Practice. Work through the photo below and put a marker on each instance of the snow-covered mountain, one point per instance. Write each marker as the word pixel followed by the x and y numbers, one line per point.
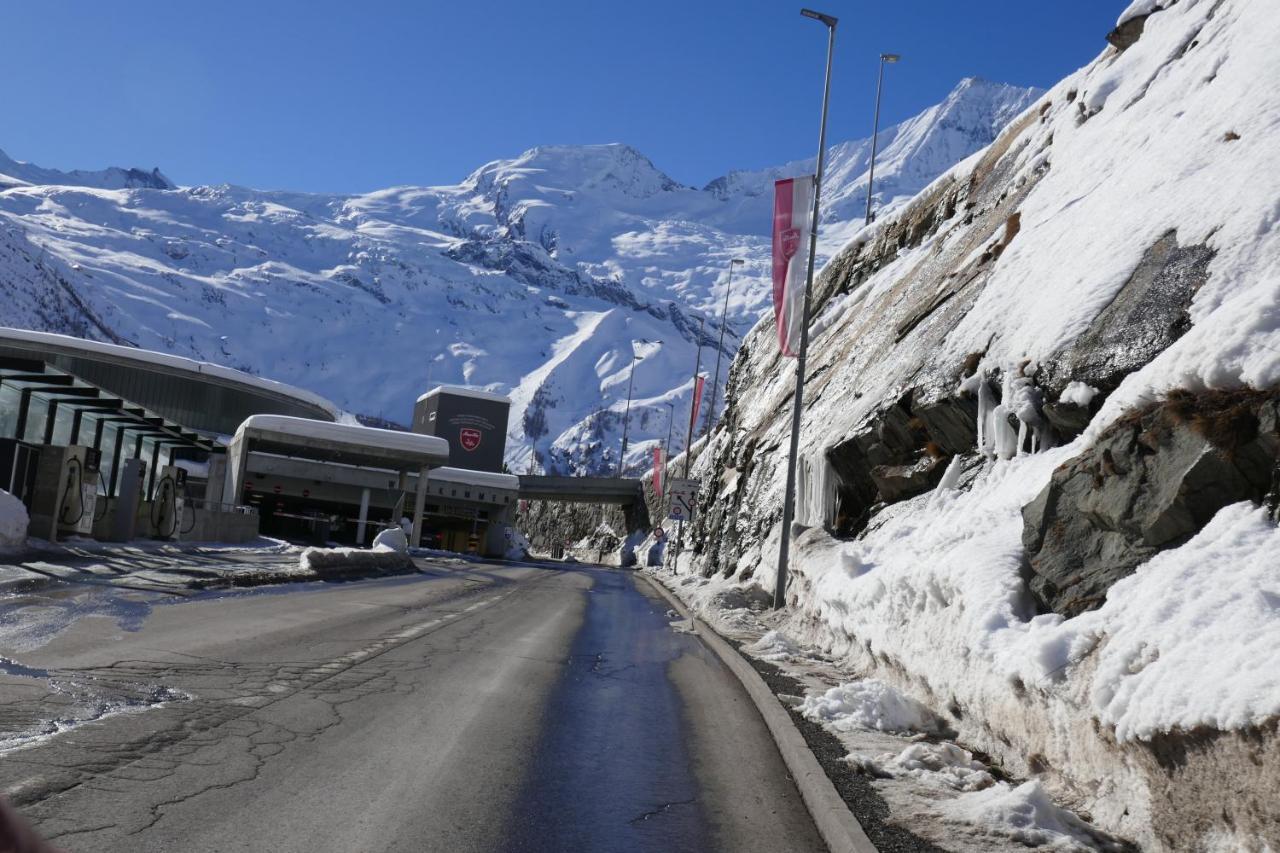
pixel 15 173
pixel 538 276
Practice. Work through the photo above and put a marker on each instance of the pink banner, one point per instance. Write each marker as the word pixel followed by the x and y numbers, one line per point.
pixel 697 404
pixel 657 470
pixel 792 206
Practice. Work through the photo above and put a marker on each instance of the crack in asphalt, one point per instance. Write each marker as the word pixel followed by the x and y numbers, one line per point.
pixel 661 810
pixel 226 698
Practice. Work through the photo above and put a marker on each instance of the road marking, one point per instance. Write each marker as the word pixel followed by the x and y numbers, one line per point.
pixel 352 658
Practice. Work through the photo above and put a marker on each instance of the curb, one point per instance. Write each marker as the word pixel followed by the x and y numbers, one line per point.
pixel 836 824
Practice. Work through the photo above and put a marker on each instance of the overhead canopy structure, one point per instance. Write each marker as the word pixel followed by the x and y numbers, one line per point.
pixel 323 445
pixel 344 444
pixel 199 395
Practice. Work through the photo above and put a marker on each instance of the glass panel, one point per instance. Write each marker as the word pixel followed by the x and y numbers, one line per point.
pixel 9 398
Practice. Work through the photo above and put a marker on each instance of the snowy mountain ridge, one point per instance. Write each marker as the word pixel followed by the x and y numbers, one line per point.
pixel 536 276
pixel 16 173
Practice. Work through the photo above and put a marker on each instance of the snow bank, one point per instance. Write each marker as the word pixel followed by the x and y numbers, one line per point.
pixel 13 521
pixel 350 562
pixel 869 704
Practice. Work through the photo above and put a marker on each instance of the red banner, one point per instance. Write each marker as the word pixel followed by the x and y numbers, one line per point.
pixel 657 470
pixel 697 404
pixel 792 210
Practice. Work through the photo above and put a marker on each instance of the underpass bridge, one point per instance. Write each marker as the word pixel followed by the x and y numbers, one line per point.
pixel 624 492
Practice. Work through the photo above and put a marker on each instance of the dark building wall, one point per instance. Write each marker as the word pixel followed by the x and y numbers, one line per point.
pixel 475 429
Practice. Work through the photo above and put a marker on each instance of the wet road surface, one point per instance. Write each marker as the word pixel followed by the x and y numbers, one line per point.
pixel 472 707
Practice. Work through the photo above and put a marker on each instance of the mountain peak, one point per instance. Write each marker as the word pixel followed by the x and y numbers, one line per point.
pixel 111 178
pixel 611 167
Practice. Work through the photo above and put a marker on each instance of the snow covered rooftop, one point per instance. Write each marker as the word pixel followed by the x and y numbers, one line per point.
pixel 43 343
pixel 353 440
pixel 487 479
pixel 465 391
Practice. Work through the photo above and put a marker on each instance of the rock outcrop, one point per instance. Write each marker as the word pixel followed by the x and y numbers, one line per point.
pixel 1149 482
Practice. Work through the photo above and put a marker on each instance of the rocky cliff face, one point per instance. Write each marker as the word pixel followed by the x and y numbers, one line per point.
pixel 1038 424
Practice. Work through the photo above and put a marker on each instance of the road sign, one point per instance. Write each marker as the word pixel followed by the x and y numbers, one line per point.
pixel 683 495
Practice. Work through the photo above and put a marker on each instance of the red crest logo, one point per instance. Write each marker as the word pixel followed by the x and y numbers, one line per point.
pixel 469 438
pixel 790 242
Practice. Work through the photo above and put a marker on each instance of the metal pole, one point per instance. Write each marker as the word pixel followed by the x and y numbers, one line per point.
pixel 875 131
pixel 697 365
pixel 788 503
pixel 724 314
pixel 666 452
pixel 626 419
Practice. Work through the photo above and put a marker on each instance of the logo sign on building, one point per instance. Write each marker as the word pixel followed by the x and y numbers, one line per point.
pixel 469 438
pixel 684 494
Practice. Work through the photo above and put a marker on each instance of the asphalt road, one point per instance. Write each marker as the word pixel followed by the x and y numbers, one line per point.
pixel 474 707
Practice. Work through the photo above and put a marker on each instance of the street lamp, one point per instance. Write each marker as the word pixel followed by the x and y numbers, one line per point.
pixel 797 400
pixel 875 129
pixel 724 314
pixel 666 448
pixel 626 419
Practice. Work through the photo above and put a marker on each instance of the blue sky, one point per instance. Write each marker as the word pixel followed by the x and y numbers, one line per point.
pixel 353 96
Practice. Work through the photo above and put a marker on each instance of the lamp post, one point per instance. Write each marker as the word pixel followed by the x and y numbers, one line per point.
pixel 797 403
pixel 724 314
pixel 875 129
pixel 626 418
pixel 666 448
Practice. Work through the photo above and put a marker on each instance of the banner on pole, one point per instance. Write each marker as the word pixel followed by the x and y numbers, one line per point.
pixel 697 402
pixel 657 470
pixel 792 210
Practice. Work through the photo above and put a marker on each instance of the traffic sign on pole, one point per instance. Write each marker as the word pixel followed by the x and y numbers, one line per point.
pixel 684 494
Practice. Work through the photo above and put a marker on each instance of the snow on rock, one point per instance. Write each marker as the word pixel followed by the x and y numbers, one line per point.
pixel 1162 630
pixel 1078 394
pixel 13 521
pixel 868 704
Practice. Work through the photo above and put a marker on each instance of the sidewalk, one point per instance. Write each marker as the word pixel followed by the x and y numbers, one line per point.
pixel 152 566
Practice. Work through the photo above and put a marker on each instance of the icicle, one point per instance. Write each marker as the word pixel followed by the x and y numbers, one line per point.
pixel 951 476
pixel 985 404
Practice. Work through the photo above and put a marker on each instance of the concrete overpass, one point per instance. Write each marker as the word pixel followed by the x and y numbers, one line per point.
pixel 619 491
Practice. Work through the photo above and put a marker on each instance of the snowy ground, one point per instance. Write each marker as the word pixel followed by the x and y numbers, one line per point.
pixel 932 785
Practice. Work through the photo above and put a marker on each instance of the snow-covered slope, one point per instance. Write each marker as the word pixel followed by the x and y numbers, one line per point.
pixel 537 276
pixel 1104 277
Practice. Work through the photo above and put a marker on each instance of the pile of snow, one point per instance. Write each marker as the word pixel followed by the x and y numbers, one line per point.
pixel 868 704
pixel 775 647
pixel 518 545
pixel 353 562
pixel 1026 814
pixel 943 764
pixel 392 539
pixel 13 521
